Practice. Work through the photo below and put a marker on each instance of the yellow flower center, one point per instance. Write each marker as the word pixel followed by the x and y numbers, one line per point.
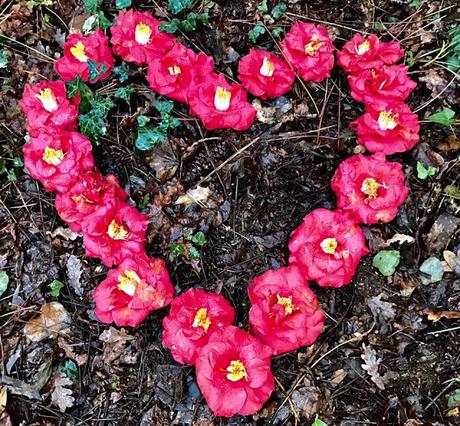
pixel 78 51
pixel 222 99
pixel 48 100
pixel 128 282
pixel 174 70
pixel 202 319
pixel 363 47
pixel 329 245
pixel 387 120
pixel 236 371
pixel 370 187
pixel 313 46
pixel 116 231
pixel 268 68
pixel 142 34
pixel 286 303
pixel 53 156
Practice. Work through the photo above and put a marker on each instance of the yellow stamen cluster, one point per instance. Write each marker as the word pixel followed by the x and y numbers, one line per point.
pixel 370 187
pixel 116 231
pixel 78 51
pixel 53 156
pixel 268 68
pixel 222 99
pixel 236 371
pixel 313 46
pixel 286 303
pixel 201 319
pixel 142 34
pixel 48 100
pixel 128 282
pixel 363 47
pixel 387 120
pixel 329 245
pixel 175 70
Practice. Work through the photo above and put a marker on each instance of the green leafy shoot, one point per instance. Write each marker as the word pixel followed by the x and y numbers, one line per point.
pixel 424 172
pixel 199 238
pixel 257 31
pixel 121 72
pixel 279 10
pixel 176 249
pixel 95 69
pixel 69 368
pixel 189 24
pixel 318 422
pixel 4 63
pixel 78 87
pixel 177 6
pixel 124 93
pixel 446 117
pixel 262 7
pixel 56 287
pixel 4 280
pixel 122 4
pixel 32 3
pixel 277 32
pixel 91 6
pixel 410 61
pixel 99 20
pixel 386 261
pixel 144 202
pixel 93 124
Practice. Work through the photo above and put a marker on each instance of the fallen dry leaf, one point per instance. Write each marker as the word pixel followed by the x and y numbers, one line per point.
pixel 371 365
pixel 114 343
pixel 74 274
pixel 452 144
pixel 400 239
pixel 62 396
pixel 337 377
pixel 3 398
pixel 53 320
pixel 451 261
pixel 79 359
pixel 437 315
pixel 65 233
pixel 199 195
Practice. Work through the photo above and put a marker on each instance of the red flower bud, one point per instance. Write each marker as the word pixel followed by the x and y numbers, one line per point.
pixel 265 75
pixel 233 372
pixel 220 105
pixel 388 129
pixel 309 50
pixel 114 232
pixel 328 247
pixel 285 313
pixel 136 37
pixel 193 317
pixel 89 193
pixel 362 53
pixel 131 291
pixel 370 188
pixel 78 50
pixel 46 106
pixel 379 85
pixel 57 159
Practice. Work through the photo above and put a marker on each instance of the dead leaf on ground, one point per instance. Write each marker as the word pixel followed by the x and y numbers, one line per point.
pixel 199 195
pixel 452 144
pixel 437 315
pixel 65 233
pixel 62 396
pixel 338 377
pixel 381 309
pixel 74 274
pixel 114 343
pixel 163 160
pixel 52 321
pixel 400 239
pixel 371 365
pixel 79 359
pixel 3 398
pixel 451 261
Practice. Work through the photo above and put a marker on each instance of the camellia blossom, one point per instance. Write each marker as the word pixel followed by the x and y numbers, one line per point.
pixel 377 86
pixel 328 246
pixel 309 50
pixel 233 372
pixel 175 74
pixel 193 317
pixel 114 232
pixel 131 291
pixel 136 37
pixel 361 53
pixel 285 313
pixel 264 74
pixel 388 129
pixel 90 192
pixel 220 105
pixel 57 159
pixel 79 50
pixel 46 106
pixel 370 188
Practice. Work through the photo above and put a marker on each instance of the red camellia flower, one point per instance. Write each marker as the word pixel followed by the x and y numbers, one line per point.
pixel 176 73
pixel 90 192
pixel 220 105
pixel 370 188
pixel 233 372
pixel 57 159
pixel 362 53
pixel 114 232
pixel 264 74
pixel 377 85
pixel 285 313
pixel 46 106
pixel 328 246
pixel 136 37
pixel 79 50
pixel 309 50
pixel 193 317
pixel 131 291
pixel 388 129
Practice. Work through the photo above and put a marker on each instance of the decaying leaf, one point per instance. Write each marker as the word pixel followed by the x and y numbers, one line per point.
pixel 65 233
pixel 74 274
pixel 371 365
pixel 3 398
pixel 199 195
pixel 400 239
pixel 380 308
pixel 53 320
pixel 452 144
pixel 437 315
pixel 79 359
pixel 451 261
pixel 114 343
pixel 62 396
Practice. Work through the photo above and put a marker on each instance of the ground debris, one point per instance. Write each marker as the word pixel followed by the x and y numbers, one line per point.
pixel 371 365
pixel 74 274
pixel 61 396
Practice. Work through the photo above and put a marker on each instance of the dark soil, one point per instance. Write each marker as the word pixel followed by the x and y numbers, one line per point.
pixel 263 182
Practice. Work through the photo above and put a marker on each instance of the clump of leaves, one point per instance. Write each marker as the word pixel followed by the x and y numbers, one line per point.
pixel 10 166
pixel 97 18
pixel 187 25
pixel 56 287
pixel 386 261
pixel 93 124
pixel 186 246
pixel 70 369
pixel 177 6
pixel 149 136
pixel 424 172
pixel 121 72
pixel 78 87
pixel 267 18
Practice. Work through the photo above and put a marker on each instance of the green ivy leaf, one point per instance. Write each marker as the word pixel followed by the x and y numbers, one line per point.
pixel 203 18
pixel 124 93
pixel 189 24
pixel 95 69
pixel 446 117
pixel 177 6
pixel 90 24
pixel 122 72
pixel 122 4
pixel 176 249
pixel 142 120
pixel 11 176
pixel 279 10
pixel 77 86
pixel 164 107
pixel 69 368
pixel 454 399
pixel 102 21
pixel 318 422
pixel 101 106
pixel 386 261
pixel 432 271
pixel 149 137
pixel 410 61
pixel 145 201
pixel 55 287
pixel 92 126
pixel 3 60
pixel 193 252
pixel 170 27
pixel 4 280
pixel 423 172
pixel 258 30
pixel 262 7
pixel 277 32
pixel 91 6
pixel 199 238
